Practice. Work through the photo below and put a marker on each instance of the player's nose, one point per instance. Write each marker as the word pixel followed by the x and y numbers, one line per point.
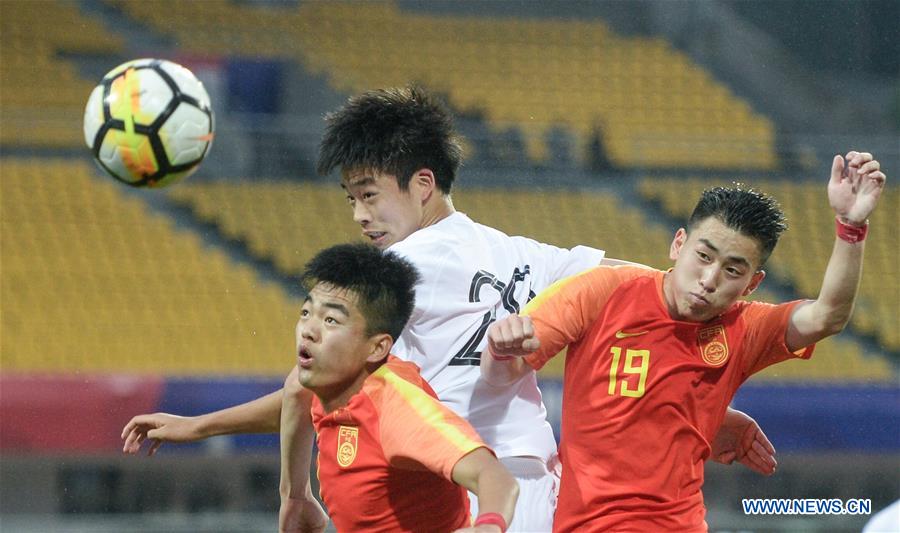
pixel 708 278
pixel 361 214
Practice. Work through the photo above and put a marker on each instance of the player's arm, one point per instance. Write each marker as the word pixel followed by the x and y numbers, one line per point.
pixel 853 193
pixel 483 475
pixel 262 415
pixel 300 511
pixel 557 317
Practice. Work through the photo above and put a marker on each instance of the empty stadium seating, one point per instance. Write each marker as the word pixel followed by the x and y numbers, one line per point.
pixel 651 104
pixel 42 96
pixel 93 281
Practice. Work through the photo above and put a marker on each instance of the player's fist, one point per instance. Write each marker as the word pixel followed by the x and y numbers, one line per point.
pixel 855 185
pixel 512 337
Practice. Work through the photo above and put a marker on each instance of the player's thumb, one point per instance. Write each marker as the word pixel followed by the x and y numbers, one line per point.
pixel 726 458
pixel 531 345
pixel 155 434
pixel 837 168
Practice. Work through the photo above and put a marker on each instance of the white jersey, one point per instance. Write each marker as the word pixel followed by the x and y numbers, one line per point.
pixel 471 276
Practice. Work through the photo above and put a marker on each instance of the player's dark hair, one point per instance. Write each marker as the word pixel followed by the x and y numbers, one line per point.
pixel 748 211
pixel 383 281
pixel 395 131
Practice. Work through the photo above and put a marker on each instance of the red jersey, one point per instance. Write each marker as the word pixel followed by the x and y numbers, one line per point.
pixel 644 395
pixel 386 458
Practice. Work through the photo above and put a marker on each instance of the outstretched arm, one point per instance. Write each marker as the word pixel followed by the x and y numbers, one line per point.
pixel 261 415
pixel 483 475
pixel 300 511
pixel 853 191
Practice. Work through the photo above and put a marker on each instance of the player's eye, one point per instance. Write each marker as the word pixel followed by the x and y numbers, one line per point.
pixel 703 256
pixel 368 195
pixel 331 320
pixel 304 313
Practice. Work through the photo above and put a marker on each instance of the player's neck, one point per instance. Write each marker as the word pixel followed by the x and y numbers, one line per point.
pixel 439 207
pixel 340 395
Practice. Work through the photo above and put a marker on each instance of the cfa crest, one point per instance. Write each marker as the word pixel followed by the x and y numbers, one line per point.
pixel 346 449
pixel 713 345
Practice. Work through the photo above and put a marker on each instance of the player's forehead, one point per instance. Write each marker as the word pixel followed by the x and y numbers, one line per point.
pixel 356 178
pixel 729 243
pixel 324 294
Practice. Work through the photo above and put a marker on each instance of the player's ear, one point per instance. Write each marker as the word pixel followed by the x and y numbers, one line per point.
pixel 379 347
pixel 754 282
pixel 677 243
pixel 423 184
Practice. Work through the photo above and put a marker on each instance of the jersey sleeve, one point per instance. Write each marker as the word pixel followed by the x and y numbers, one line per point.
pixel 417 431
pixel 764 338
pixel 564 311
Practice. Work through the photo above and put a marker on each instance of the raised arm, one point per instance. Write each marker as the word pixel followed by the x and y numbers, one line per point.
pixel 300 511
pixel 853 191
pixel 483 475
pixel 262 415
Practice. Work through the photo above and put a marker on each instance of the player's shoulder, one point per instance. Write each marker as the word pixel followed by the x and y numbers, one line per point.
pixel 436 240
pixel 397 381
pixel 619 274
pixel 451 244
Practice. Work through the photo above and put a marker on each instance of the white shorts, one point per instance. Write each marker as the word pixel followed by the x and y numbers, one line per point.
pixel 538 490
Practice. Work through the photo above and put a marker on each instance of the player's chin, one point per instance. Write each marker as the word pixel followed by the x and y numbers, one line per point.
pixel 306 377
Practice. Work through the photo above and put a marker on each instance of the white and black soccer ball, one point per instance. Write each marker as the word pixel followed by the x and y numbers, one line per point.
pixel 149 123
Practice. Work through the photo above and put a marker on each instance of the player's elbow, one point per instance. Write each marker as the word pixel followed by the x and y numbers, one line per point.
pixel 827 320
pixel 834 321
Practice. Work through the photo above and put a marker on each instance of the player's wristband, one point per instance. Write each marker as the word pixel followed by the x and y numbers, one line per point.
pixel 849 233
pixel 496 357
pixel 495 519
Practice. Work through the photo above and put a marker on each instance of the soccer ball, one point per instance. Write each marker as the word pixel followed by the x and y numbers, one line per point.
pixel 149 123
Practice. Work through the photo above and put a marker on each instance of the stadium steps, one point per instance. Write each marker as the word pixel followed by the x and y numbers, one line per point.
pixel 93 281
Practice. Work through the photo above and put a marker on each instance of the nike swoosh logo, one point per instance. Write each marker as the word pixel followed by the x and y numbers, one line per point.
pixel 623 335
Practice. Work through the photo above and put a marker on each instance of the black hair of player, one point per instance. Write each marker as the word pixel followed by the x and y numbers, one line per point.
pixel 748 211
pixel 383 282
pixel 396 131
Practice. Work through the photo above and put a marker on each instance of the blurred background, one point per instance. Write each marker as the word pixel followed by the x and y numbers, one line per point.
pixel 584 123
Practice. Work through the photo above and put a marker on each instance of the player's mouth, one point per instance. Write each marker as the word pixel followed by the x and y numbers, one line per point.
pixel 377 237
pixel 304 358
pixel 697 300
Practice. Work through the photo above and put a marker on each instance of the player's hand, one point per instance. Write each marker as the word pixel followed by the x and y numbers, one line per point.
pixel 740 438
pixel 158 428
pixel 512 337
pixel 301 515
pixel 855 185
